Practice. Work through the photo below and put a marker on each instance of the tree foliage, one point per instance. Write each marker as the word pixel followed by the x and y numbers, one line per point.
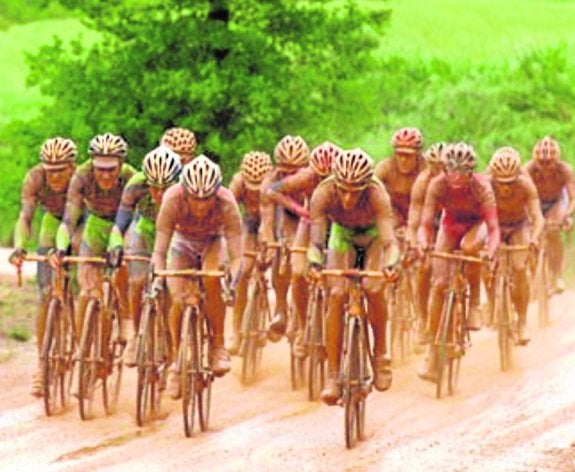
pixel 240 73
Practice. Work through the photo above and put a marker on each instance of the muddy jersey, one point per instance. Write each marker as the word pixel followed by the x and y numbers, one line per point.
pixel 36 191
pixel 176 219
pixel 417 201
pixel 372 208
pixel 246 197
pixel 398 185
pixel 136 196
pixel 550 183
pixel 85 192
pixel 270 223
pixel 519 205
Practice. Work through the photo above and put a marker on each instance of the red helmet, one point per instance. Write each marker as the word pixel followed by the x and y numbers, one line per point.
pixel 322 157
pixel 407 139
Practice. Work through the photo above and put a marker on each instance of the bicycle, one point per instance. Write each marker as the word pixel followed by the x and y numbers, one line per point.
pixel 503 309
pixel 59 341
pixel 356 363
pixel 452 337
pixel 101 347
pixel 256 316
pixel 315 339
pixel 195 364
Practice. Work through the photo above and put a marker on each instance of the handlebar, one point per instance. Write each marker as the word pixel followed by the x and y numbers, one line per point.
pixel 456 257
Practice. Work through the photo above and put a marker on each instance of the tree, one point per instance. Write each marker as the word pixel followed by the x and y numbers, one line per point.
pixel 240 73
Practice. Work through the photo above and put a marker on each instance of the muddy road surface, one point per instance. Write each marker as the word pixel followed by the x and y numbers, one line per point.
pixel 523 420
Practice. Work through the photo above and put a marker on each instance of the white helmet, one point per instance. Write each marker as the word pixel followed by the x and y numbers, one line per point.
pixel 505 164
pixel 292 151
pixel 108 145
pixel 58 151
pixel 436 153
pixel 162 167
pixel 353 168
pixel 201 177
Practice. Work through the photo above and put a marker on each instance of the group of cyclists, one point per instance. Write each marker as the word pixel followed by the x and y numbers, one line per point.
pixel 337 203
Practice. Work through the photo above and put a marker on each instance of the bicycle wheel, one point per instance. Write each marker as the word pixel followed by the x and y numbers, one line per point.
pixel 317 356
pixel 542 289
pixel 67 363
pixel 189 361
pixel 146 386
pixel 443 341
pixel 297 364
pixel 205 391
pixel 89 360
pixel 350 385
pixel 51 352
pixel 393 315
pixel 113 351
pixel 505 327
pixel 250 336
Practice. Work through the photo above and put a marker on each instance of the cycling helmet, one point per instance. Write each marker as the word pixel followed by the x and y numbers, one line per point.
pixel 505 164
pixel 461 156
pixel 162 167
pixel 322 157
pixel 353 168
pixel 255 165
pixel 180 140
pixel 547 149
pixel 58 151
pixel 108 145
pixel 201 177
pixel 292 151
pixel 407 139
pixel 436 153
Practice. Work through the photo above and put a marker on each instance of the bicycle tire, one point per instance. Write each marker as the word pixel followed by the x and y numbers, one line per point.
pixel 393 315
pixel 113 354
pixel 316 369
pixel 189 370
pixel 205 392
pixel 70 343
pixel 145 367
pixel 443 340
pixel 250 335
pixel 350 384
pixel 297 364
pixel 51 349
pixel 89 360
pixel 542 289
pixel 505 331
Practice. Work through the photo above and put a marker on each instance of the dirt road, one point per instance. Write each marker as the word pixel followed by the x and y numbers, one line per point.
pixel 519 421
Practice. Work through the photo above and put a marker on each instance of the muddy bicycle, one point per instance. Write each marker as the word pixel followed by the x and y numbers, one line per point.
pixel 452 338
pixel 194 359
pixel 59 341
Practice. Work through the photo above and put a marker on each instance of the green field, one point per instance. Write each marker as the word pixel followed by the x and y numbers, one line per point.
pixel 17 101
pixel 472 31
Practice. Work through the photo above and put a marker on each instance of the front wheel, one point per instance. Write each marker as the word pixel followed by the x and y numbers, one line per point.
pixel 205 392
pixel 89 360
pixel 444 343
pixel 113 352
pixel 189 360
pixel 147 387
pixel 54 376
pixel 317 355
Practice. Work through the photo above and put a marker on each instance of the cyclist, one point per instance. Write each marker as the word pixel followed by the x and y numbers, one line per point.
pixel 359 210
pixel 399 172
pixel 139 207
pixel 435 158
pixel 287 193
pixel 469 219
pixel 45 185
pixel 520 222
pixel 182 141
pixel 554 179
pixel 194 216
pixel 292 154
pixel 97 185
pixel 245 186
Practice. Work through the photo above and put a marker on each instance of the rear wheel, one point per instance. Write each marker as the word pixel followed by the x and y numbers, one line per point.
pixel 89 360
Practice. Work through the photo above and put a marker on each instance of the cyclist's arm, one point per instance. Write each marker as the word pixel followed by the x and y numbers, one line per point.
pixel 534 210
pixel 570 186
pixel 430 205
pixel 236 186
pixel 165 225
pixel 232 231
pixel 489 215
pixel 415 209
pixel 281 192
pixel 267 212
pixel 135 190
pixel 29 201
pixel 381 205
pixel 319 223
pixel 73 212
